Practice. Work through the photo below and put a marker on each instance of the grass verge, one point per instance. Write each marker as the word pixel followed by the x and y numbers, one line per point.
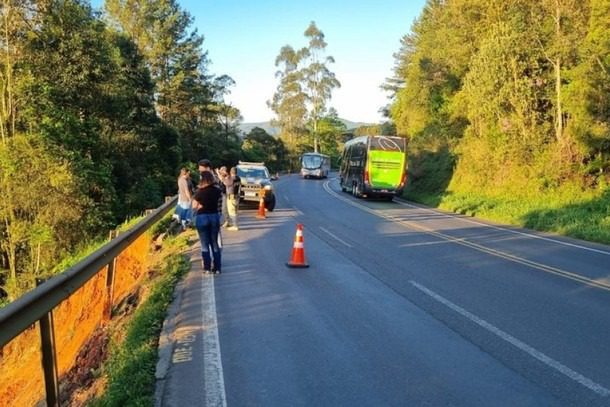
pixel 578 214
pixel 130 369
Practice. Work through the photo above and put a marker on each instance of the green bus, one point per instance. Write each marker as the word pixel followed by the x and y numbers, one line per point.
pixel 374 166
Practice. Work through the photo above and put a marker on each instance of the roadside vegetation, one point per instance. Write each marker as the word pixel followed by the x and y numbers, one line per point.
pixel 506 106
pixel 129 372
pixel 98 114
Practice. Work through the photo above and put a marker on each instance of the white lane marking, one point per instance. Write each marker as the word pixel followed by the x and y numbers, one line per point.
pixel 212 363
pixel 475 246
pixel 335 237
pixel 424 243
pixel 548 239
pixel 552 363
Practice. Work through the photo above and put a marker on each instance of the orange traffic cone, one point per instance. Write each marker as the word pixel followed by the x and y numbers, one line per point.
pixel 261 209
pixel 297 259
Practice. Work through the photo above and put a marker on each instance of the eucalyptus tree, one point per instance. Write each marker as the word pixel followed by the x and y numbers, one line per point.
pixel 289 99
pixel 318 78
pixel 305 86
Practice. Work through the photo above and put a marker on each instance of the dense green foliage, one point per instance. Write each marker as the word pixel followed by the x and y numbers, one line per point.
pixel 96 118
pixel 131 367
pixel 507 102
pixel 260 146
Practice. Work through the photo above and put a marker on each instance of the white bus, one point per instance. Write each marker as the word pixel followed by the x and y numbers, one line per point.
pixel 315 165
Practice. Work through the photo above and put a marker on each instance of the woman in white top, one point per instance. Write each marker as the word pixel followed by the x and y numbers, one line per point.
pixel 185 196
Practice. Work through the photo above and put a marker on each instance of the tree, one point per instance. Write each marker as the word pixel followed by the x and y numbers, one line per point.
pixel 587 93
pixel 260 146
pixel 305 86
pixel 289 100
pixel 79 131
pixel 319 80
pixel 36 227
pixel 187 97
pixel 329 133
pixel 562 27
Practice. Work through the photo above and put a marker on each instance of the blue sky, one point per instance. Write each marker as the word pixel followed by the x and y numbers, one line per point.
pixel 244 37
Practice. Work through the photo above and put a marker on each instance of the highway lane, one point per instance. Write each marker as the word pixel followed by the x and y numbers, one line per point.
pixel 403 306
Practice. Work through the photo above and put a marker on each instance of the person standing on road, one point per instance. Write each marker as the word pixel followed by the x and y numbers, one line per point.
pixel 205 165
pixel 222 177
pixel 183 209
pixel 232 183
pixel 207 222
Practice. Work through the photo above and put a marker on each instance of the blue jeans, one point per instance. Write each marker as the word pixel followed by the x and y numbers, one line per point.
pixel 208 228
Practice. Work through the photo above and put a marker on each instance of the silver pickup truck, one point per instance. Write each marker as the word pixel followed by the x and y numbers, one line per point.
pixel 255 179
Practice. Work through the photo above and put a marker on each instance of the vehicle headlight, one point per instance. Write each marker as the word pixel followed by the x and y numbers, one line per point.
pixel 268 187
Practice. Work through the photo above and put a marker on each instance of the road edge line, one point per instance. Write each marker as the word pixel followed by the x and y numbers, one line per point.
pixel 212 362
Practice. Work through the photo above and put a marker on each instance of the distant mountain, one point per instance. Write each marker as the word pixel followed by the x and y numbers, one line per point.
pixel 352 125
pixel 246 127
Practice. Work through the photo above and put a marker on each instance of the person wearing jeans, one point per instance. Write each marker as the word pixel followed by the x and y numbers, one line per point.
pixel 207 222
pixel 183 209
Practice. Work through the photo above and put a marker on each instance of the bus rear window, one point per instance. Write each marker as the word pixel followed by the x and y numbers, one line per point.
pixel 388 144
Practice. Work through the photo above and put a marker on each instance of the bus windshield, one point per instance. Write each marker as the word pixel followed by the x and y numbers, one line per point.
pixel 387 144
pixel 311 162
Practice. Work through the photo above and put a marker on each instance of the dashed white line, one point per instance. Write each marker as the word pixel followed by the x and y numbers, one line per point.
pixel 550 362
pixel 335 237
pixel 464 242
pixel 212 362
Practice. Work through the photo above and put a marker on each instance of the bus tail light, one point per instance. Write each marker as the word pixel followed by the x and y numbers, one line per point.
pixel 366 176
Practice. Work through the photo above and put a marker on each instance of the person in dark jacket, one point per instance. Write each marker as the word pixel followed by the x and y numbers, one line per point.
pixel 207 222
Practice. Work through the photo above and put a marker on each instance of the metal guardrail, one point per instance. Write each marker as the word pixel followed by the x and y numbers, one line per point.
pixel 38 304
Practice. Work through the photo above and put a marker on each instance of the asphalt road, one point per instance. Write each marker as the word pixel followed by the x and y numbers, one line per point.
pixel 401 306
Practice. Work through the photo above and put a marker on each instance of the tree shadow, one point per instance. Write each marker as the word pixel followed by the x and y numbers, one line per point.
pixel 587 220
pixel 429 174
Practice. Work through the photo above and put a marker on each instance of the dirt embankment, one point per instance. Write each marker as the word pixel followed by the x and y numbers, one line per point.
pixel 80 334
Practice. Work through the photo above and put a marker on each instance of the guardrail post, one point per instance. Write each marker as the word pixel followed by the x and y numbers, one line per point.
pixel 49 357
pixel 110 282
pixel 168 198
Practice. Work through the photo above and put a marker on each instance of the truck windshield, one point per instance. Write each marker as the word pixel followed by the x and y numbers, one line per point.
pixel 252 172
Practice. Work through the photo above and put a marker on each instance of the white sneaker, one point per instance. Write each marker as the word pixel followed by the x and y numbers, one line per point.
pixel 232 228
